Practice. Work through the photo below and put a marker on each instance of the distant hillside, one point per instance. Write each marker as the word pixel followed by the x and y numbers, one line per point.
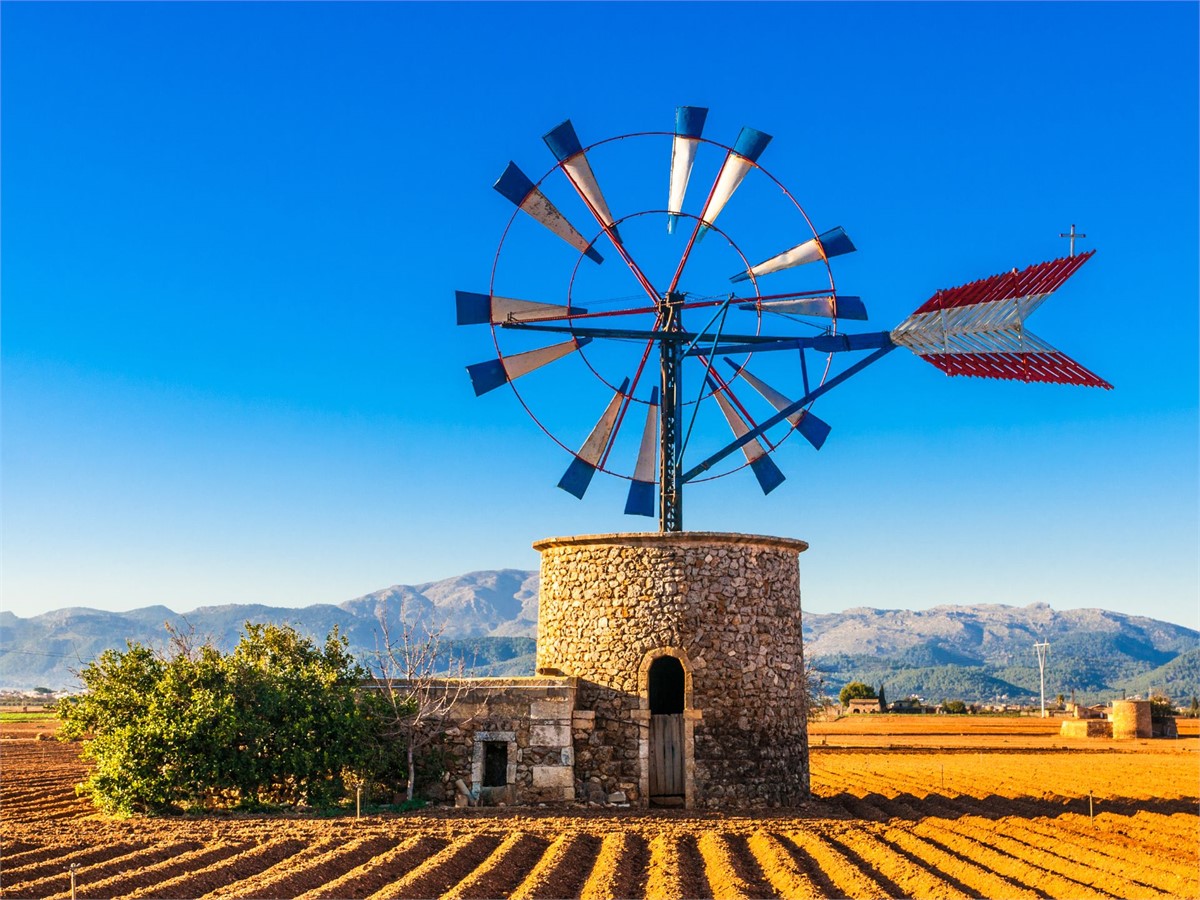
pixel 971 652
pixel 985 652
pixel 490 617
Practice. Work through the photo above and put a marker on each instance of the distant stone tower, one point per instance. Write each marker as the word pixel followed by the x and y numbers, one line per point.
pixel 687 649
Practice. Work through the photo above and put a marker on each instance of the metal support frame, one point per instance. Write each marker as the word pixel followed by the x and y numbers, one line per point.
pixel 670 488
pixel 675 345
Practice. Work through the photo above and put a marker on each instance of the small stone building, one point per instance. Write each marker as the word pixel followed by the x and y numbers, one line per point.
pixel 860 705
pixel 669 672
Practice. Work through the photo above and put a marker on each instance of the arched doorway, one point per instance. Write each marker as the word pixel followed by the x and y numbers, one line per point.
pixel 666 688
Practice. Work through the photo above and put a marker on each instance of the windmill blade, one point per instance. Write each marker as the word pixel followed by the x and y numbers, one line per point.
pixel 813 429
pixel 832 243
pixel 482 309
pixel 689 124
pixel 830 306
pixel 489 375
pixel 564 144
pixel 640 501
pixel 764 468
pixel 740 160
pixel 579 474
pixel 518 188
pixel 979 329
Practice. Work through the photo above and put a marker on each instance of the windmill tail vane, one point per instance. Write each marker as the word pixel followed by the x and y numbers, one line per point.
pixel 978 329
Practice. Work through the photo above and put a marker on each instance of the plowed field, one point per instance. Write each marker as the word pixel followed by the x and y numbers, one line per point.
pixel 937 808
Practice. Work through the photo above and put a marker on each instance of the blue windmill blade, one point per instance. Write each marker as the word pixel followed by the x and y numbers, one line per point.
pixel 517 187
pixel 489 375
pixel 739 161
pixel 579 474
pixel 689 125
pixel 764 468
pixel 814 430
pixel 482 309
pixel 640 501
pixel 565 145
pixel 832 243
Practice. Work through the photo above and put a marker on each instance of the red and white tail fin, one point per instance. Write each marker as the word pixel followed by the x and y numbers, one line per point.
pixel 978 329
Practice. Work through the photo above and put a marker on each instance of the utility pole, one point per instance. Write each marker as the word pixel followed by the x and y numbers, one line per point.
pixel 1042 649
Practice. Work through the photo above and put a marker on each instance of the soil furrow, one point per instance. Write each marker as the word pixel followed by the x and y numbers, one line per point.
pixel 894 870
pixel 849 880
pixel 1047 883
pixel 500 873
pixel 227 871
pixel 620 869
pixel 1138 859
pixel 9 864
pixel 725 879
pixel 999 835
pixel 1124 878
pixel 443 870
pixel 563 869
pixel 315 866
pixel 85 879
pixel 84 859
pixel 786 878
pixel 664 878
pixel 126 884
pixel 382 870
pixel 952 864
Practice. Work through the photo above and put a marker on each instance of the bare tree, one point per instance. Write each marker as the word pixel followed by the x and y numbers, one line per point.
pixel 816 701
pixel 422 682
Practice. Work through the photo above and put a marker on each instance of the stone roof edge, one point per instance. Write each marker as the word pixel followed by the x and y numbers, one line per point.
pixel 681 538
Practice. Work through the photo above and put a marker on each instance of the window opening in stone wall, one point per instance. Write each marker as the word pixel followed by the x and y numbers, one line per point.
pixel 666 686
pixel 495 763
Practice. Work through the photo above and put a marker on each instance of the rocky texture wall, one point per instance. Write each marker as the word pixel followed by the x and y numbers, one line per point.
pixel 533 716
pixel 1086 728
pixel 1130 719
pixel 728 606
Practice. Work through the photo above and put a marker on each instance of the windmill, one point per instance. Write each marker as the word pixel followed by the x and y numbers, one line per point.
pixel 711 376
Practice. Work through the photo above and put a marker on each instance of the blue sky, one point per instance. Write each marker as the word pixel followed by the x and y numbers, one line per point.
pixel 232 234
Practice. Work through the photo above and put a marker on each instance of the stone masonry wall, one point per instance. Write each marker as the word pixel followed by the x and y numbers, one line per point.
pixel 533 716
pixel 728 606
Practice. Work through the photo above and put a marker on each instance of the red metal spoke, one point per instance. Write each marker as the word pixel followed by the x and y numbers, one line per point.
pixel 687 251
pixel 620 248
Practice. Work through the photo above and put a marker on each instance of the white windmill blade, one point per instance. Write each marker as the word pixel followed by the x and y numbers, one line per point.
pixel 579 474
pixel 764 468
pixel 489 375
pixel 640 501
pixel 834 242
pixel 740 160
pixel 517 187
pixel 689 124
pixel 814 430
pixel 565 145
pixel 482 309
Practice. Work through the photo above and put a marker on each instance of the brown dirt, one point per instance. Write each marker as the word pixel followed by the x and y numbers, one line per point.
pixel 924 807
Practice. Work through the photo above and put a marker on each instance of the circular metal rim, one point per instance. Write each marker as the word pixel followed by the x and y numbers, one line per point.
pixel 753 279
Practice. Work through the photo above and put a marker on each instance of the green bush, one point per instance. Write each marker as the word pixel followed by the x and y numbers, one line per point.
pixel 277 721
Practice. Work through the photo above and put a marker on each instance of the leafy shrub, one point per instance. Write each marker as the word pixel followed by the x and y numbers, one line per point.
pixel 277 721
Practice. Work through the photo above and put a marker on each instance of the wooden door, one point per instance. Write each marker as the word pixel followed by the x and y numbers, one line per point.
pixel 666 756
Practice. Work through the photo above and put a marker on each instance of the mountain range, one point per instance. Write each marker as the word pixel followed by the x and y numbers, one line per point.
pixel 980 652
